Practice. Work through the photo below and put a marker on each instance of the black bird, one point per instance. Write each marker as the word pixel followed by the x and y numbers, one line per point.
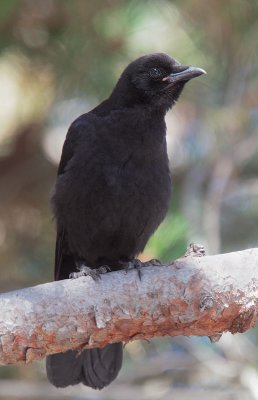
pixel 112 192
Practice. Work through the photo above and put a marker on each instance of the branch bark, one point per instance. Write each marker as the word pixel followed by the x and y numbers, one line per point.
pixel 201 296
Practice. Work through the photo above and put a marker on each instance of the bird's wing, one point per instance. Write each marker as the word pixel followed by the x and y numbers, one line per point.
pixel 69 147
pixel 64 262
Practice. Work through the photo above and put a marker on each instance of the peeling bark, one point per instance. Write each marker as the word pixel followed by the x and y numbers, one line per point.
pixel 201 296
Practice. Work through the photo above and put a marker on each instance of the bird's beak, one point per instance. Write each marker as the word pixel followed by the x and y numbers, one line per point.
pixel 183 73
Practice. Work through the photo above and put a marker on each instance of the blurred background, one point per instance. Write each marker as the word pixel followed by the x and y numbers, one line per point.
pixel 58 59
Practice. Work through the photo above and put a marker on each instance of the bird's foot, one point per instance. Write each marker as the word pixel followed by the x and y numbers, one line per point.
pixel 195 250
pixel 154 262
pixel 138 265
pixel 94 273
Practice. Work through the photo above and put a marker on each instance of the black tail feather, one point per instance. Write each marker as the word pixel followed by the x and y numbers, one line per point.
pixel 96 368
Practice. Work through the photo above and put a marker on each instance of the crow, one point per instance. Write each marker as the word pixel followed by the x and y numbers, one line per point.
pixel 112 191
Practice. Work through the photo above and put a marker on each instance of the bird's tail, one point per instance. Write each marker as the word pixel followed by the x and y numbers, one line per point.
pixel 96 368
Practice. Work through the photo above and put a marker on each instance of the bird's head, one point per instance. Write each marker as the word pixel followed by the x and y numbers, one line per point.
pixel 157 79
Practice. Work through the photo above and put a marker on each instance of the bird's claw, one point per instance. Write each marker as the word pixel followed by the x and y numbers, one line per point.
pixel 154 262
pixel 195 250
pixel 95 273
pixel 134 264
pixel 138 265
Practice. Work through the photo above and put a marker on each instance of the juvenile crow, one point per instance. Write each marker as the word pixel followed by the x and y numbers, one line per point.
pixel 112 192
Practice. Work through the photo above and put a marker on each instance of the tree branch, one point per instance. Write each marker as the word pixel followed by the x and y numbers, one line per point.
pixel 201 296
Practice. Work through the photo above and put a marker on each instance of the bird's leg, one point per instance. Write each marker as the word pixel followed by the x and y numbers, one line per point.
pixel 84 270
pixel 135 263
pixel 195 250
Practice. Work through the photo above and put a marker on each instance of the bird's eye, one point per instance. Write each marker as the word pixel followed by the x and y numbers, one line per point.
pixel 155 73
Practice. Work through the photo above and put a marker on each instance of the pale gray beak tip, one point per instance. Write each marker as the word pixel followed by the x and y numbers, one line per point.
pixel 203 71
